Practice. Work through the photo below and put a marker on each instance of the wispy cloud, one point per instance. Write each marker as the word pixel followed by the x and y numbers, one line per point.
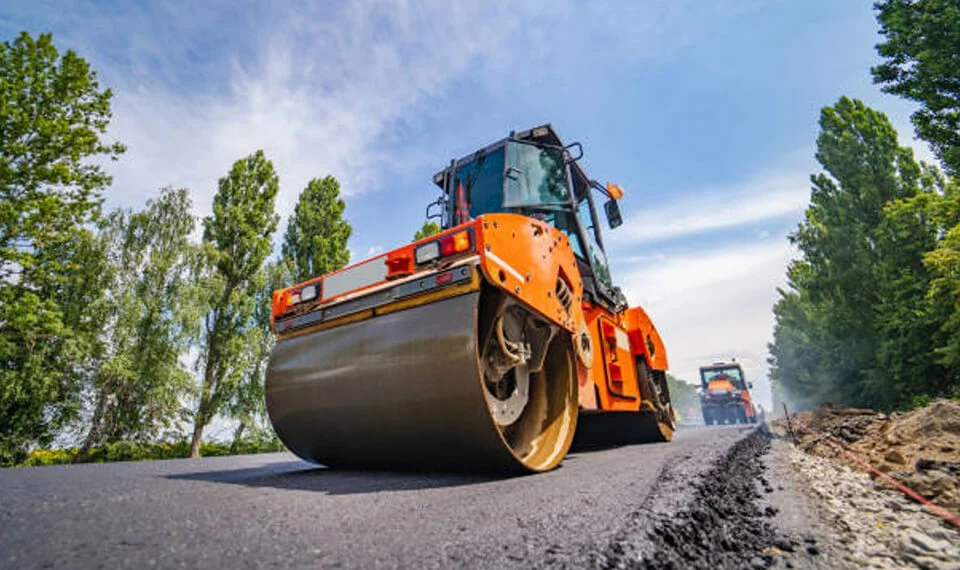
pixel 323 88
pixel 714 304
pixel 713 300
pixel 319 93
pixel 763 197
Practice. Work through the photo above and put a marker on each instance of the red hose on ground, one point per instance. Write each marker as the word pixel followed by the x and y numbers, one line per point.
pixel 929 505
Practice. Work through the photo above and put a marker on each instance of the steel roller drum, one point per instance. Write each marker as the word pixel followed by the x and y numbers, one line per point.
pixel 404 391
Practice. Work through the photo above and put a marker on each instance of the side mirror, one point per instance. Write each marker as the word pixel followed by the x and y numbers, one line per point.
pixel 568 152
pixel 612 209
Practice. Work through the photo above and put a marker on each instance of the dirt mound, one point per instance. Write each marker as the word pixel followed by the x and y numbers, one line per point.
pixel 921 448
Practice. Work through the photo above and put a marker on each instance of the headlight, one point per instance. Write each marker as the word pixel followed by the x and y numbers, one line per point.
pixel 427 252
pixel 308 293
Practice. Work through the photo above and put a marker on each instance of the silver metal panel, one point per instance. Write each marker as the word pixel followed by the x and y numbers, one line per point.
pixel 377 298
pixel 366 273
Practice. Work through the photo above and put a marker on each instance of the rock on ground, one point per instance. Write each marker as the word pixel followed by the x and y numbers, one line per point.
pixel 879 527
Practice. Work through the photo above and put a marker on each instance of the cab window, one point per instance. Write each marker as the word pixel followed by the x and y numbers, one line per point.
pixel 481 180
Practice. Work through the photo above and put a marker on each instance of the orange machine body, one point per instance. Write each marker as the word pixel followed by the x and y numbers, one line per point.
pixel 725 395
pixel 528 259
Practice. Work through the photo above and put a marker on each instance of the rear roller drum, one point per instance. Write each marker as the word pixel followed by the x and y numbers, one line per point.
pixel 474 382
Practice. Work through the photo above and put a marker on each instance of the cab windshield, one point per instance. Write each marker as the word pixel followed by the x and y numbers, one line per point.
pixel 529 179
pixel 535 176
pixel 514 177
pixel 731 374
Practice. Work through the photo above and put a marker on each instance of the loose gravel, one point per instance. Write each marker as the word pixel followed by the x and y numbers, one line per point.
pixel 727 524
pixel 878 527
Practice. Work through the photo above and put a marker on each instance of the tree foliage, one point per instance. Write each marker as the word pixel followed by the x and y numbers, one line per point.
pixel 140 379
pixel 856 322
pixel 53 116
pixel 684 397
pixel 920 63
pixel 872 315
pixel 428 229
pixel 943 262
pixel 316 239
pixel 237 238
pixel 248 404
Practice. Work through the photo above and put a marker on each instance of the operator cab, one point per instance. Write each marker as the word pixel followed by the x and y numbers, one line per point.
pixel 532 173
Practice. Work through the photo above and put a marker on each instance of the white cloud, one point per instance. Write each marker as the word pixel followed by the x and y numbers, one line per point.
pixel 374 250
pixel 321 94
pixel 714 304
pixel 326 89
pixel 766 196
pixel 714 301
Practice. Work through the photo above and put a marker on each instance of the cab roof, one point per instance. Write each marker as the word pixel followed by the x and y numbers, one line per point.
pixel 544 134
pixel 717 365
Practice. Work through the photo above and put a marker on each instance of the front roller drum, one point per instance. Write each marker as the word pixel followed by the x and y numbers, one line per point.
pixel 406 390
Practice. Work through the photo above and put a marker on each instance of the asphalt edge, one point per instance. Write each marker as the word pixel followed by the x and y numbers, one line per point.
pixel 723 524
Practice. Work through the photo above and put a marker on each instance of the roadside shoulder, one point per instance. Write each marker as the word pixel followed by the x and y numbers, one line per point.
pixel 873 527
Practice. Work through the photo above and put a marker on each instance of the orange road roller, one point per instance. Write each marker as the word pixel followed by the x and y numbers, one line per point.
pixel 489 347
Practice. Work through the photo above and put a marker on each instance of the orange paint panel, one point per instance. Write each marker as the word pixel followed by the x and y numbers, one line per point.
pixel 621 389
pixel 525 257
pixel 615 386
pixel 587 394
pixel 724 385
pixel 644 338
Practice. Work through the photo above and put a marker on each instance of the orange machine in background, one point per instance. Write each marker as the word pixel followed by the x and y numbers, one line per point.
pixel 725 395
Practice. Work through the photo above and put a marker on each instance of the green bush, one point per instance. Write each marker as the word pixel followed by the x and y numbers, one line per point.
pixel 919 401
pixel 50 457
pixel 133 451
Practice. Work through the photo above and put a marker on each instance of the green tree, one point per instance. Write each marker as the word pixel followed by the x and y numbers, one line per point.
pixel 920 63
pixel 910 319
pixel 139 383
pixel 53 116
pixel 237 238
pixel 315 242
pixel 248 405
pixel 943 296
pixel 428 229
pixel 945 261
pixel 684 397
pixel 827 332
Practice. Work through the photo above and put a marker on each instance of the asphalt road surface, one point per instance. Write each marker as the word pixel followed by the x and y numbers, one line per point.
pixel 275 511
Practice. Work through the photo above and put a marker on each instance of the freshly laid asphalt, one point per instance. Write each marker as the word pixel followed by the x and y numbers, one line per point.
pixel 275 511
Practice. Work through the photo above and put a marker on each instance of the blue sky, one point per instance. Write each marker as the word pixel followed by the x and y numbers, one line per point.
pixel 705 112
